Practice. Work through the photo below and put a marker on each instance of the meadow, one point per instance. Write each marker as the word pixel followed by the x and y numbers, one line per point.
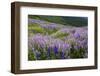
pixel 57 37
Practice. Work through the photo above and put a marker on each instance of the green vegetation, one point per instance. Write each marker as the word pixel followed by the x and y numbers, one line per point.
pixel 60 34
pixel 36 28
pixel 76 53
pixel 31 55
pixel 74 21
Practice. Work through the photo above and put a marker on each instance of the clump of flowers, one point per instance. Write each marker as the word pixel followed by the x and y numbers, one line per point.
pixel 64 43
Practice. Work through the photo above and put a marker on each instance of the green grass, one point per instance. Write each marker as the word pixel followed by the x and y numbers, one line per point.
pixel 50 31
pixel 36 28
pixel 59 34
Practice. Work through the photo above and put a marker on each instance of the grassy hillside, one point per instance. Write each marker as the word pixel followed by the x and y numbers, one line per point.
pixel 49 40
pixel 74 21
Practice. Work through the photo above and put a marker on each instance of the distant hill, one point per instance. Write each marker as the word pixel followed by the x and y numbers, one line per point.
pixel 65 20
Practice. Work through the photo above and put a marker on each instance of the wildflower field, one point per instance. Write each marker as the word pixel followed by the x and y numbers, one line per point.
pixel 57 37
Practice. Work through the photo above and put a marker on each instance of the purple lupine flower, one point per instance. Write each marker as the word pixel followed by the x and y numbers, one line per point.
pixel 55 50
pixel 40 40
pixel 52 26
pixel 38 54
pixel 83 43
pixel 65 46
pixel 77 47
pixel 48 50
pixel 72 31
pixel 76 35
pixel 61 55
pixel 36 21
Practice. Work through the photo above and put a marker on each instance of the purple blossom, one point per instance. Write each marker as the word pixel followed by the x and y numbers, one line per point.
pixel 48 50
pixel 55 50
pixel 66 46
pixel 77 47
pixel 38 54
pixel 52 26
pixel 40 40
pixel 83 43
pixel 61 55
pixel 77 35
